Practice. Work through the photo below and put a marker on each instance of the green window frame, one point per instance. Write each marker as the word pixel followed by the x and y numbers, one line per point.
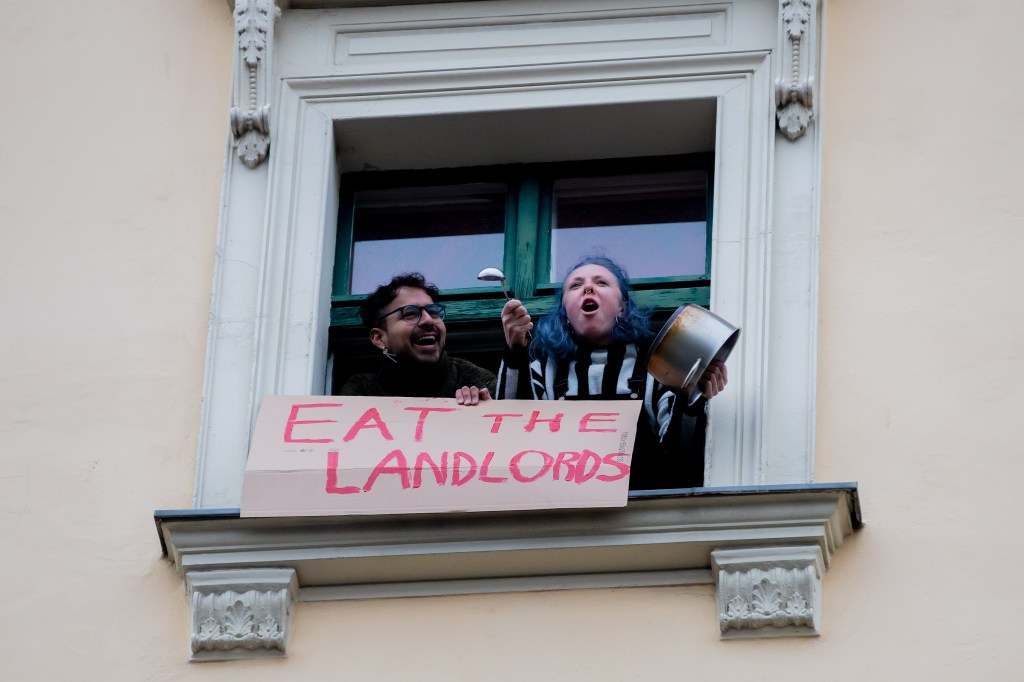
pixel 527 238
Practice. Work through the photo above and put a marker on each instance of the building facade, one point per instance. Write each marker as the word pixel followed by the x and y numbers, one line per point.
pixel 855 192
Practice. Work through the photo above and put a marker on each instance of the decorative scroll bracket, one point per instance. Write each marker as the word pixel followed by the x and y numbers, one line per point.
pixel 768 591
pixel 795 71
pixel 240 613
pixel 250 110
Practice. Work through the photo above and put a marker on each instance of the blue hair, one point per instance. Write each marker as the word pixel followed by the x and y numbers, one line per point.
pixel 552 335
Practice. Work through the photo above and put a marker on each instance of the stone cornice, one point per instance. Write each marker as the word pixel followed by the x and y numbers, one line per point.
pixel 658 539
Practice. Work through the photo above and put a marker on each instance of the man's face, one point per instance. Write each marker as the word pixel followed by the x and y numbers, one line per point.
pixel 419 341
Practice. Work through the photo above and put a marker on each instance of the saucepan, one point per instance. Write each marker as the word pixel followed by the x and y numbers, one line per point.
pixel 690 341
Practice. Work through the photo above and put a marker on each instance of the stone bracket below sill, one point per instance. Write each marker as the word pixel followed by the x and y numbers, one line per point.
pixel 764 547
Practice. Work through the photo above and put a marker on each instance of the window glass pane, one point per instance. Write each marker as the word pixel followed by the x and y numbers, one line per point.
pixel 447 232
pixel 654 224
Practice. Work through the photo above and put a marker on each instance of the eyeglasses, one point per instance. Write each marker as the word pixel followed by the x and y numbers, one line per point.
pixel 413 313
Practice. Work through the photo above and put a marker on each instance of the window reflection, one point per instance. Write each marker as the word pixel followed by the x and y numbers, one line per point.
pixel 652 223
pixel 444 231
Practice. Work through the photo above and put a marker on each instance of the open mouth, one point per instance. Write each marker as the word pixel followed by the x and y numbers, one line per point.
pixel 589 306
pixel 425 340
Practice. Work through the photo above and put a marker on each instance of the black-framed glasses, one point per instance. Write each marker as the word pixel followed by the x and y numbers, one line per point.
pixel 413 313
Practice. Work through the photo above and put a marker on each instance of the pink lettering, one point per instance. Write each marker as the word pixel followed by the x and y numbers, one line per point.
pixel 457 479
pixel 582 475
pixel 517 472
pixel 554 423
pixel 370 420
pixel 484 477
pixel 567 459
pixel 597 417
pixel 424 411
pixel 621 466
pixel 440 472
pixel 292 421
pixel 497 420
pixel 332 477
pixel 401 467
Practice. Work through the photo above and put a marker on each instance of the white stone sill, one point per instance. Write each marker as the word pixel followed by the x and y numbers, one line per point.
pixel 659 538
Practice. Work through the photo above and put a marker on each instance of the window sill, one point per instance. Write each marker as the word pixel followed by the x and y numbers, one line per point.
pixel 736 538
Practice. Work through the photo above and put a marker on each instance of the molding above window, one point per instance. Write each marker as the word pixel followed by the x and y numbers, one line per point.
pixel 765 547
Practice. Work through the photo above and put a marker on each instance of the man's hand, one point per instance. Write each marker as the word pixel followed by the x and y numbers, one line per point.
pixel 517 324
pixel 471 395
pixel 714 379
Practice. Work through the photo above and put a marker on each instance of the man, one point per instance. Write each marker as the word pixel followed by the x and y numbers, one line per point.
pixel 407 324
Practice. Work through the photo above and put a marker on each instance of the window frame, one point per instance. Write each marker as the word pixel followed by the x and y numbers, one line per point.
pixel 270 312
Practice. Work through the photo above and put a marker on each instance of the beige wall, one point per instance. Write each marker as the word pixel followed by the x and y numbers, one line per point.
pixel 113 123
pixel 113 128
pixel 921 331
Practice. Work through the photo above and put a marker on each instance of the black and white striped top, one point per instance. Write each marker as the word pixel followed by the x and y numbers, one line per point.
pixel 670 436
pixel 594 374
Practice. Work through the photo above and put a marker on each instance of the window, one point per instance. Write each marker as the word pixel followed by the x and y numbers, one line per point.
pixel 429 227
pixel 389 88
pixel 426 85
pixel 651 214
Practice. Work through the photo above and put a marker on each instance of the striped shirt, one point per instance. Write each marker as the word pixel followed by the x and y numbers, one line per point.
pixel 669 447
pixel 594 374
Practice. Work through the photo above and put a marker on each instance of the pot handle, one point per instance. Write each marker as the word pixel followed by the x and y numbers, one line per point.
pixel 693 370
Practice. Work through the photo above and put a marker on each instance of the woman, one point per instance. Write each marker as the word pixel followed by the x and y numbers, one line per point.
pixel 593 347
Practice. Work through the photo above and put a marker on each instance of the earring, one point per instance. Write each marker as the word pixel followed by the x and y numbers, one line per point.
pixel 390 356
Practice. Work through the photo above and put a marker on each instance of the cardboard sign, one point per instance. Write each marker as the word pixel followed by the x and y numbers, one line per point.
pixel 326 455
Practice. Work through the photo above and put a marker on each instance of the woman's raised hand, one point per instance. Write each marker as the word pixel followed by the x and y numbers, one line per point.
pixel 517 324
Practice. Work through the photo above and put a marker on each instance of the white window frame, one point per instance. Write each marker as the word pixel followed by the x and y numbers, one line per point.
pixel 271 294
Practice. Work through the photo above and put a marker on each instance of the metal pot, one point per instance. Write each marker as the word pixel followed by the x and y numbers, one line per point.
pixel 690 341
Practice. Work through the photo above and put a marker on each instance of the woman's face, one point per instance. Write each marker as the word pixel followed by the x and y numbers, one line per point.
pixel 592 302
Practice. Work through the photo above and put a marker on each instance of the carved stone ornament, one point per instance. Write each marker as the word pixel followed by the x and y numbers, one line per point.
pixel 794 83
pixel 768 592
pixel 250 110
pixel 244 613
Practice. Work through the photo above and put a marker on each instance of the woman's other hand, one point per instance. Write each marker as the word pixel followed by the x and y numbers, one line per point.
pixel 714 379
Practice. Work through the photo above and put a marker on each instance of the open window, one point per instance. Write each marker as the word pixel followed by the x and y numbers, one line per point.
pixel 653 215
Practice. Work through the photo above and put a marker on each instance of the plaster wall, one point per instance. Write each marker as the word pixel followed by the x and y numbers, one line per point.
pixel 114 122
pixel 921 328
pixel 112 137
